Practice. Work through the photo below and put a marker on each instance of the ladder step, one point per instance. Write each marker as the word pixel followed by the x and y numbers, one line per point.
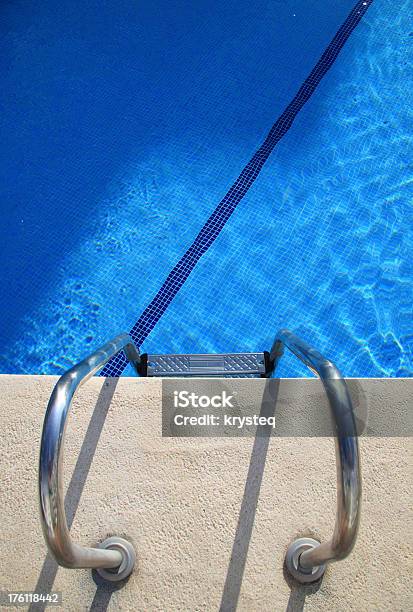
pixel 254 365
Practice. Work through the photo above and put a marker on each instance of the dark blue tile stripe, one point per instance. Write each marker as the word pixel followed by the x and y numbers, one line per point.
pixel 176 278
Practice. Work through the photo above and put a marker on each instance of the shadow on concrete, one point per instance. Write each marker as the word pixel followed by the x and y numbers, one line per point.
pixel 74 493
pixel 298 595
pixel 299 592
pixel 233 581
pixel 104 592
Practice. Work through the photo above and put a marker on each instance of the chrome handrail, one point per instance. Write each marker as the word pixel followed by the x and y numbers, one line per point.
pixel 306 558
pixel 115 557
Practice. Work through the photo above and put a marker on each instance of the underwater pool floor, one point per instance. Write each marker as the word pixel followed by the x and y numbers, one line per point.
pixel 153 195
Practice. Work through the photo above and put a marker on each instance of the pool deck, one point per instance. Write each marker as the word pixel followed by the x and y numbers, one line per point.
pixel 211 518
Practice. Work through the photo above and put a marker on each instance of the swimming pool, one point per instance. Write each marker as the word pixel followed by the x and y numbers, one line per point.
pixel 125 125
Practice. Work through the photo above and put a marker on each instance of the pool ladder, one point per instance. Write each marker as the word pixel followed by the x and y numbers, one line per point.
pixel 114 558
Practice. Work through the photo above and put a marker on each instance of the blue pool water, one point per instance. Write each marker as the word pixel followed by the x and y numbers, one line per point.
pixel 123 127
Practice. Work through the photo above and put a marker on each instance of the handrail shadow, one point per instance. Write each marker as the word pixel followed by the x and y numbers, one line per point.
pixel 299 592
pixel 235 572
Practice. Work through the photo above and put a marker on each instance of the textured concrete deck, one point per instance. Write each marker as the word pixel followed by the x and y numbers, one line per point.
pixel 210 518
